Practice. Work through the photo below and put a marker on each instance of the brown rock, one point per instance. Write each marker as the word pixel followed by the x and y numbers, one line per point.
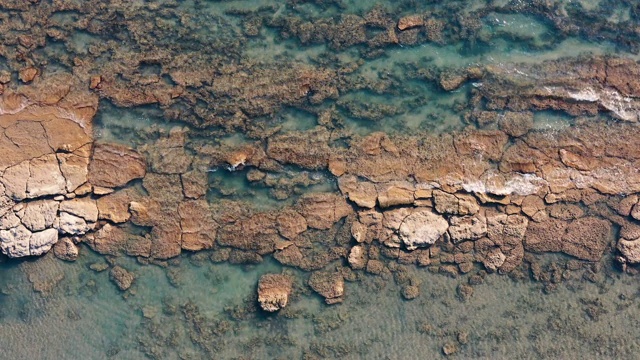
pixel 467 228
pixel 115 165
pixel 626 204
pixel 545 236
pixel 195 184
pixel 28 74
pixel 410 292
pixel 532 204
pixel 5 77
pixel 138 246
pixel 274 291
pixel 635 212
pixel 516 123
pixel 45 177
pixel 109 240
pixel 587 238
pixel 411 21
pixel 396 193
pixel 375 267
pixel 115 207
pixel 255 175
pixel 121 277
pixel 565 211
pixel 363 193
pixel 95 82
pixel 197 225
pixel 323 210
pixel 630 249
pixel 422 228
pixel 291 224
pixel 329 285
pixel 359 231
pixel 358 257
pixel 494 259
pixel 66 250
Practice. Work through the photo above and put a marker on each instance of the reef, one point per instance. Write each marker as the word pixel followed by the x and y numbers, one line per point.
pixel 490 196
pixel 486 195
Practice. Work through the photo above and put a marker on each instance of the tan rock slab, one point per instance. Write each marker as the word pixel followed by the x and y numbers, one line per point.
pixel 115 165
pixel 197 224
pixel 84 207
pixel 45 177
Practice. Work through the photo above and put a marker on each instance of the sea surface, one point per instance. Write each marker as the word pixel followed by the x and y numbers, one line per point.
pixel 197 309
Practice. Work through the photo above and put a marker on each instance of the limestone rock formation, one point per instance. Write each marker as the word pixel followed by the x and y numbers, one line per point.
pixel 121 277
pixel 274 291
pixel 422 228
pixel 329 285
pixel 115 165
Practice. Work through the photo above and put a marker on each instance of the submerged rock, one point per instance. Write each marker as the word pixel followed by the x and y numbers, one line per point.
pixel 121 277
pixel 274 291
pixel 66 250
pixel 329 285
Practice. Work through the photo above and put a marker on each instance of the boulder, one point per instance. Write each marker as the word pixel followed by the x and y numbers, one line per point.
pixel 66 250
pixel 197 225
pixel 630 250
pixel 290 224
pixel 42 241
pixel 274 291
pixel 121 277
pixel 39 215
pixel 109 240
pixel 467 228
pixel 73 225
pixel 45 177
pixel 83 207
pixel 363 193
pixel 15 241
pixel 395 193
pixel 587 238
pixel 115 207
pixel 422 228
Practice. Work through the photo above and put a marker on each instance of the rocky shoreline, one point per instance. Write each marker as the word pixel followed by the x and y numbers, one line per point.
pixel 478 199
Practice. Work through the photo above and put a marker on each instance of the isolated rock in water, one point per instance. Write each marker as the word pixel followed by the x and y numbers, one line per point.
pixel 121 277
pixel 66 250
pixel 115 165
pixel 274 291
pixel 422 228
